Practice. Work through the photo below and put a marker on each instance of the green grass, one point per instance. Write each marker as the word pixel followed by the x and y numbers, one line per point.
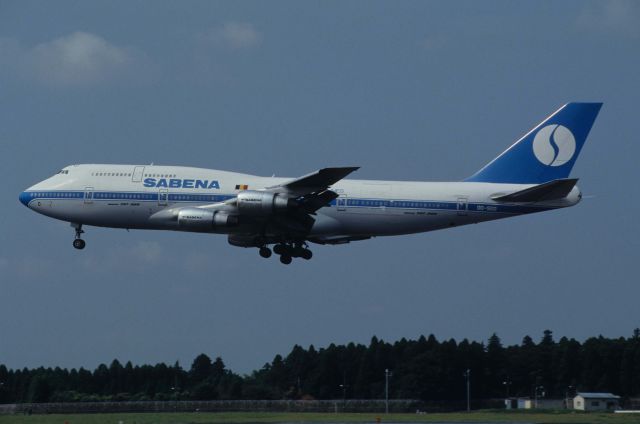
pixel 257 417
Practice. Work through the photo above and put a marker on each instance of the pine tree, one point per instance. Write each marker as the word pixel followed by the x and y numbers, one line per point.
pixel 200 369
pixel 496 368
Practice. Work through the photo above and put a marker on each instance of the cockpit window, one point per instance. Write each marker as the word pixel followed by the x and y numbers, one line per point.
pixel 64 171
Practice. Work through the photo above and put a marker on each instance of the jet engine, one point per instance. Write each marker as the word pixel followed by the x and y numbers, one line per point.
pixel 261 203
pixel 203 219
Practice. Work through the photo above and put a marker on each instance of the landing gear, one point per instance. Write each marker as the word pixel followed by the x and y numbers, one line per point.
pixel 284 250
pixel 78 243
pixel 280 249
pixel 265 252
pixel 288 251
pixel 285 259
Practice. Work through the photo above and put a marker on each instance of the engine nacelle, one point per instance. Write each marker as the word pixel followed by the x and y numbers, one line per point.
pixel 261 203
pixel 203 219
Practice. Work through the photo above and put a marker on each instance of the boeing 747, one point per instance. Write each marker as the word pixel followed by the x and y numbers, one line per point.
pixel 322 207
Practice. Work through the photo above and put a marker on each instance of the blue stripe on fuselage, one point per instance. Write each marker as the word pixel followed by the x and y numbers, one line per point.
pixel 356 203
pixel 27 196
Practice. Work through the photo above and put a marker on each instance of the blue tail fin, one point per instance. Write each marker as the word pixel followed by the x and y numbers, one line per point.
pixel 545 153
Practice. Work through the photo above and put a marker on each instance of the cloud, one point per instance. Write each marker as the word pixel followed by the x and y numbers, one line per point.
pixel 147 251
pixel 137 257
pixel 234 35
pixel 614 16
pixel 27 267
pixel 79 58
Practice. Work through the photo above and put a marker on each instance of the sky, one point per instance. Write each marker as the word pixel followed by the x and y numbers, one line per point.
pixel 406 90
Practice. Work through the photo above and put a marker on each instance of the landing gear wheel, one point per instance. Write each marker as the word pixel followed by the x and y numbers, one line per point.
pixel 285 259
pixel 306 254
pixel 279 249
pixel 78 243
pixel 265 252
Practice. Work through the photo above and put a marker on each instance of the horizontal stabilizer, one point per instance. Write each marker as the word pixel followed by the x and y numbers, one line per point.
pixel 553 190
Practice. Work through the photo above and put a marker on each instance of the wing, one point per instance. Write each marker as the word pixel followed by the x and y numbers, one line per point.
pixel 315 182
pixel 312 190
pixel 281 212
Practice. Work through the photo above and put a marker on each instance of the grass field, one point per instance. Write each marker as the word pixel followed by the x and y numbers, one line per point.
pixel 246 417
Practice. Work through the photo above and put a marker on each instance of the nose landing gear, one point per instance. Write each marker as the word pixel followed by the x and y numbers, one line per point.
pixel 78 243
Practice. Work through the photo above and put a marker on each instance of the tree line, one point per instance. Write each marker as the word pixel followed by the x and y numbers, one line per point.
pixel 425 369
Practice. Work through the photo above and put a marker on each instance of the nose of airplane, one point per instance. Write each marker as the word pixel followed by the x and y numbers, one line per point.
pixel 25 197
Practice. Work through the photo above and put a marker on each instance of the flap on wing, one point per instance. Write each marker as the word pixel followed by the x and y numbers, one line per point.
pixel 316 181
pixel 553 190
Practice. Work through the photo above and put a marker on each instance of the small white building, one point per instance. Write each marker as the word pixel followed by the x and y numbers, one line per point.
pixel 524 403
pixel 596 402
pixel 527 403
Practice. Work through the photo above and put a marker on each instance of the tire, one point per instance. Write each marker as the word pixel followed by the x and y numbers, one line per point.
pixel 265 252
pixel 79 244
pixel 285 259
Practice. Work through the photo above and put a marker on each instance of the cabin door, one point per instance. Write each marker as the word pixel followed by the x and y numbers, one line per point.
pixel 163 197
pixel 341 203
pixel 138 172
pixel 88 195
pixel 462 206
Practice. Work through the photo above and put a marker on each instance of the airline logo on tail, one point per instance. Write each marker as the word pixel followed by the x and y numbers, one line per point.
pixel 554 145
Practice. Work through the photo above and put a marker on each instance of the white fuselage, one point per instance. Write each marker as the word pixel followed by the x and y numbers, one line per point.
pixel 125 196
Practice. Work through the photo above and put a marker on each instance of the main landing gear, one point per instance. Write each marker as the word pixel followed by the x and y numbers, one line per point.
pixel 265 252
pixel 78 243
pixel 287 251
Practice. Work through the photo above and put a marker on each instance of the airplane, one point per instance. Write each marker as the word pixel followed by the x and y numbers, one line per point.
pixel 322 207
